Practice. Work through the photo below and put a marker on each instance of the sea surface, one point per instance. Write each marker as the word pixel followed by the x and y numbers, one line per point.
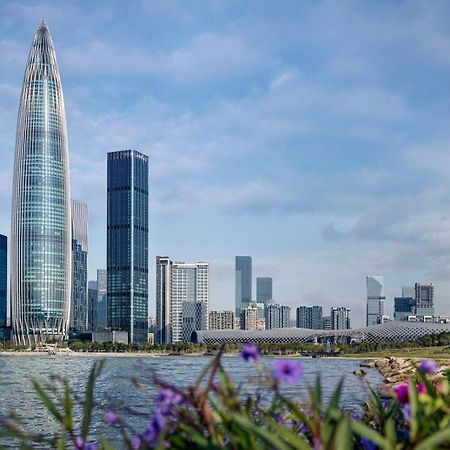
pixel 115 389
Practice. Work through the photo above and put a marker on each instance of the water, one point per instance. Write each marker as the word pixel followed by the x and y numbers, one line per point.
pixel 115 389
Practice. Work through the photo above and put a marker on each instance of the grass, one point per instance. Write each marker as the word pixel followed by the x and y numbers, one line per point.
pixel 418 352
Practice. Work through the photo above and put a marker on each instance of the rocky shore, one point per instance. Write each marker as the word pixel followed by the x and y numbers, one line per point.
pixel 397 370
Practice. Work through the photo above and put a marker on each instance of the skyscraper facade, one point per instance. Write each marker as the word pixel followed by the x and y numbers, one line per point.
pixel 404 307
pixel 340 318
pixel 102 301
pixel 277 316
pixel 127 244
pixel 163 281
pixel 92 305
pixel 375 300
pixel 3 280
pixel 193 314
pixel 424 299
pixel 249 318
pixel 189 283
pixel 79 307
pixel 264 290
pixel 221 320
pixel 41 250
pixel 243 269
pixel 310 317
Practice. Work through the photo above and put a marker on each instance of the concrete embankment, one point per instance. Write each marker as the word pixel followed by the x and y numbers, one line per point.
pixel 398 370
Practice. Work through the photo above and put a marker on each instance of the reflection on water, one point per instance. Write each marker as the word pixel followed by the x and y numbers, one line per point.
pixel 114 388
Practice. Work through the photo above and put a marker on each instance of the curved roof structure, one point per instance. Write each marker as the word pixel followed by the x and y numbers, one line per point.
pixel 393 331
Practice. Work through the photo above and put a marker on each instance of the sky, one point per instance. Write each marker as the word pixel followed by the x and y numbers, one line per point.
pixel 313 136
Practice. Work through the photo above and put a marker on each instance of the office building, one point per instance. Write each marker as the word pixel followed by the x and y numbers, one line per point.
pixel 178 282
pixel 375 300
pixel 41 247
pixel 79 306
pixel 340 318
pixel 327 323
pixel 3 284
pixel 277 316
pixel 193 316
pixel 424 294
pixel 249 318
pixel 127 244
pixel 263 290
pixel 102 299
pixel 310 317
pixel 189 283
pixel 243 267
pixel 92 305
pixel 404 307
pixel 163 280
pixel 221 320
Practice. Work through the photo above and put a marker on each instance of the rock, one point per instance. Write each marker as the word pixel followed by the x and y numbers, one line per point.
pixel 359 373
pixel 384 390
pixel 396 378
pixel 369 364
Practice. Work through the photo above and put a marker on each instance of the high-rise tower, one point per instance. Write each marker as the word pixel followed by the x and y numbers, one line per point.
pixel 375 300
pixel 79 310
pixel 127 244
pixel 41 265
pixel 243 282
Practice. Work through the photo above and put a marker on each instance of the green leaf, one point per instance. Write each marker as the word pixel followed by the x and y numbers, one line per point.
pixel 68 421
pixel 294 440
pixel 266 436
pixel 105 444
pixel 89 398
pixel 46 400
pixel 61 444
pixel 343 435
pixel 435 440
pixel 365 431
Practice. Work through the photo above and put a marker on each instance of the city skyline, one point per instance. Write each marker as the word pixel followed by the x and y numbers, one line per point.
pixel 380 137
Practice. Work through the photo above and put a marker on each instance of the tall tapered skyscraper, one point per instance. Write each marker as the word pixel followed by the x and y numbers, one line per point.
pixel 41 257
pixel 127 244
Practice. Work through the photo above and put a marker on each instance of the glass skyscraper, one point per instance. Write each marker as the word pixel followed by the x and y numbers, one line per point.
pixel 79 312
pixel 263 290
pixel 127 244
pixel 375 300
pixel 243 282
pixel 41 259
pixel 3 279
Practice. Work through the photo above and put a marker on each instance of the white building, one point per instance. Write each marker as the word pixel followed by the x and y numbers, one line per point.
pixel 178 282
pixel 375 300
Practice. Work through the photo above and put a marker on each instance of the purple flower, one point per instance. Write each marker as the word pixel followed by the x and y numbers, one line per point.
pixel 402 393
pixel 154 429
pixel 406 410
pixel 81 445
pixel 136 442
pixel 113 419
pixel 367 444
pixel 288 371
pixel 250 352
pixel 421 388
pixel 167 399
pixel 91 446
pixel 428 366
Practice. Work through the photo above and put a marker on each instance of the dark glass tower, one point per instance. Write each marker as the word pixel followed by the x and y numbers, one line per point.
pixel 79 313
pixel 41 259
pixel 3 279
pixel 243 282
pixel 263 289
pixel 127 244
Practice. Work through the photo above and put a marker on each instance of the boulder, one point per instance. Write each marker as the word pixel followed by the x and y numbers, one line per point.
pixel 369 364
pixel 360 373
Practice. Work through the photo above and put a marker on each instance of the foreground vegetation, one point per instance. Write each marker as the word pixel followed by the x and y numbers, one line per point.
pixel 214 413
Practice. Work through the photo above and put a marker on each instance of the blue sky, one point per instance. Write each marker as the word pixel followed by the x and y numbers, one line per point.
pixel 313 136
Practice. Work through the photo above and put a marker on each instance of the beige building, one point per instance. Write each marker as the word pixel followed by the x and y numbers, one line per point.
pixel 221 320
